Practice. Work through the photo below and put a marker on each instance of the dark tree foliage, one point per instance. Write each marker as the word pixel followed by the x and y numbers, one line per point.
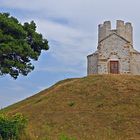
pixel 19 44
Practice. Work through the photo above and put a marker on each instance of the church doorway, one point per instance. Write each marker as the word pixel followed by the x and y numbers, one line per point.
pixel 114 67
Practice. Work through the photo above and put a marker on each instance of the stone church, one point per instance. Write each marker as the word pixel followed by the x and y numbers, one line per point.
pixel 115 53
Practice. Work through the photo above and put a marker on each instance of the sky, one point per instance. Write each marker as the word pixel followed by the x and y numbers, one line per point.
pixel 71 29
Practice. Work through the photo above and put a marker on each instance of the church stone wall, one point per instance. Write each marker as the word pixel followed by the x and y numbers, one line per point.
pixel 114 48
pixel 135 63
pixel 92 64
pixel 115 45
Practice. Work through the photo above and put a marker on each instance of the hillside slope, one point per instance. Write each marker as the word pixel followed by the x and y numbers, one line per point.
pixel 99 107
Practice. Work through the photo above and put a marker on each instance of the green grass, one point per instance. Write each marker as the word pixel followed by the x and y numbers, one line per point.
pixel 99 107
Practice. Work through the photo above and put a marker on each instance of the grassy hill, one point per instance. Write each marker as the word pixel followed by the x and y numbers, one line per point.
pixel 99 107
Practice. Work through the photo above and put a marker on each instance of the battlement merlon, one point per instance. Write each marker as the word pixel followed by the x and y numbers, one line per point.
pixel 124 30
pixel 129 32
pixel 120 27
pixel 104 30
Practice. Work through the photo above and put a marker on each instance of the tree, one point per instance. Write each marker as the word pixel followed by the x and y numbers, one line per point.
pixel 19 44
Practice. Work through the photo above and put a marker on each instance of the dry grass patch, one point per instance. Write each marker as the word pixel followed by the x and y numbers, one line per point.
pixel 99 107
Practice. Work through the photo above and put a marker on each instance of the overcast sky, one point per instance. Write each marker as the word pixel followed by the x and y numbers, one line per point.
pixel 71 29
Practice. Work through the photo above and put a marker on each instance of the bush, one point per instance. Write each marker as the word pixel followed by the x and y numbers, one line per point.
pixel 65 137
pixel 12 127
pixel 71 104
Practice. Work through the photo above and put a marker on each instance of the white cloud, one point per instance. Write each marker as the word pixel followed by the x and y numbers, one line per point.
pixel 72 45
pixel 59 32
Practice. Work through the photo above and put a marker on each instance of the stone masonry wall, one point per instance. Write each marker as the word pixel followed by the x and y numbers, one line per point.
pixel 114 48
pixel 135 63
pixel 114 45
pixel 92 64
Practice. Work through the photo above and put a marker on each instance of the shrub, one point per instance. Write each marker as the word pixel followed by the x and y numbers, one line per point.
pixel 12 127
pixel 65 137
pixel 71 104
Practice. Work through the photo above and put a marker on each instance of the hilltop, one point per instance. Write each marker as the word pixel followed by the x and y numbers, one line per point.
pixel 98 107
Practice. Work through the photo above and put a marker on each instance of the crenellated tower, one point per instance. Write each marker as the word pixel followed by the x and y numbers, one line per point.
pixel 124 30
